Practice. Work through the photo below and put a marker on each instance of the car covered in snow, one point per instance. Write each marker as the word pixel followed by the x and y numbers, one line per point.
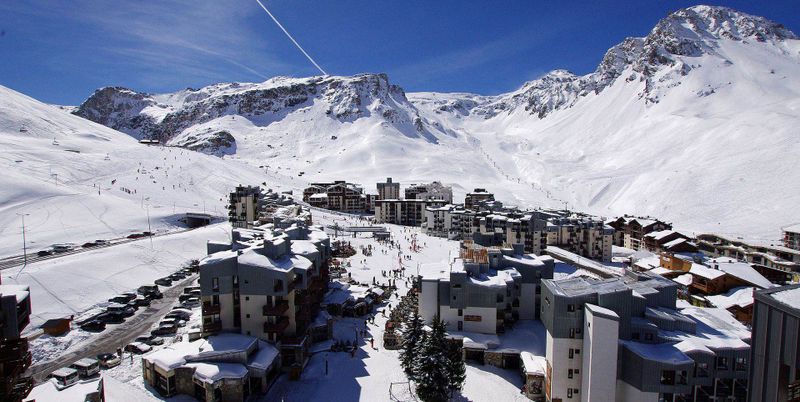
pixel 138 348
pixel 95 325
pixel 108 360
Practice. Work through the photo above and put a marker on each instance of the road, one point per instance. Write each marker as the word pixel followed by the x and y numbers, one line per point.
pixel 115 335
pixel 19 260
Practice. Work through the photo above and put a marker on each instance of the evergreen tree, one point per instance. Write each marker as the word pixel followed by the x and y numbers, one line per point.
pixel 412 341
pixel 457 370
pixel 432 367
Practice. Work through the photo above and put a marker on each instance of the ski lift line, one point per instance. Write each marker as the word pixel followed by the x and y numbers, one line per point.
pixel 291 38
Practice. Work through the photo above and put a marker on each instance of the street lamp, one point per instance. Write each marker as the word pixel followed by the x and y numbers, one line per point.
pixel 24 243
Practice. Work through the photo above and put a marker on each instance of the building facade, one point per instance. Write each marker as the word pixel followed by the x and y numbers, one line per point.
pixel 337 196
pixel 388 190
pixel 486 289
pixel 429 191
pixel 622 339
pixel 403 212
pixel 775 353
pixel 583 235
pixel 477 195
pixel 268 284
pixel 15 311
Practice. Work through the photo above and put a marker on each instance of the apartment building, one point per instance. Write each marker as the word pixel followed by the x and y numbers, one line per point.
pixel 337 196
pixel 791 237
pixel 388 190
pixel 15 311
pixel 772 257
pixel 472 199
pixel 244 206
pixel 775 353
pixel 668 241
pixel 485 289
pixel 583 235
pixel 429 191
pixel 622 339
pixel 267 283
pixel 403 212
pixel 630 231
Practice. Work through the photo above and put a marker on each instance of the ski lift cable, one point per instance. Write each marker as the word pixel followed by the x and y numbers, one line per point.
pixel 291 38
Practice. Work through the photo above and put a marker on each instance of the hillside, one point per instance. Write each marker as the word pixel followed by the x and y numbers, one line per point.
pixel 59 168
pixel 692 123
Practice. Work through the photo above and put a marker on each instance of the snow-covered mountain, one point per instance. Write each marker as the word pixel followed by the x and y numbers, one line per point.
pixel 694 123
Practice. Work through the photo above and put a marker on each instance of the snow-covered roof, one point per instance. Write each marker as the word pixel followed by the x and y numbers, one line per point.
pixel 211 372
pixel 790 297
pixel 741 296
pixel 743 271
pixel 661 271
pixel 319 195
pixel 304 247
pixel 705 272
pixel 685 279
pixel 47 391
pixel 20 292
pixel 533 364
pixel 793 228
pixel 264 357
pixel 253 258
pixel 661 352
pixel 218 257
pixel 659 234
pixel 675 242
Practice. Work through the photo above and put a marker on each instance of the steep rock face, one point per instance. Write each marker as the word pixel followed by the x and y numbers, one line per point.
pixel 166 116
pixel 658 60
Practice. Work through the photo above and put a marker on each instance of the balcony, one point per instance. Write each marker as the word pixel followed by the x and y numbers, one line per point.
pixel 14 351
pixel 276 309
pixel 210 309
pixel 278 326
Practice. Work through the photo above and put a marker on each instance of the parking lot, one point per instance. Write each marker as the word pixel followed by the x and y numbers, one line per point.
pixel 117 336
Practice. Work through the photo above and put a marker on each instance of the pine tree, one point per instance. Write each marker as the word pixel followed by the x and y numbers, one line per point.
pixel 432 366
pixel 457 370
pixel 412 341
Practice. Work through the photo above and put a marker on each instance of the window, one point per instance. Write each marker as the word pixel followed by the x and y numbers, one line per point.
pixel 722 363
pixel 635 336
pixel 701 370
pixel 215 300
pixel 569 373
pixel 215 284
pixel 500 298
pixel 682 377
pixel 577 351
pixel 248 315
pixel 577 371
pixel 572 333
pixel 247 298
pixel 278 285
pixel 668 377
pixel 569 392
pixel 571 353
pixel 460 312
pixel 571 308
pixel 740 364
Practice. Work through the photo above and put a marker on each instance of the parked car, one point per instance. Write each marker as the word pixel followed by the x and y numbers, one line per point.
pixel 166 281
pixel 111 318
pixel 138 348
pixel 123 309
pixel 65 377
pixel 167 329
pixel 43 253
pixel 63 247
pixel 101 242
pixel 95 325
pixel 177 276
pixel 89 244
pixel 179 314
pixel 119 299
pixel 142 301
pixel 151 340
pixel 130 295
pixel 108 360
pixel 86 367
pixel 135 236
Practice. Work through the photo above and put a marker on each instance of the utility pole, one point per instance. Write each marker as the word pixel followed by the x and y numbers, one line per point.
pixel 149 229
pixel 24 243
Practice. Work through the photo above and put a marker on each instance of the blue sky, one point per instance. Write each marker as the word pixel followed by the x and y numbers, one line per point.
pixel 61 51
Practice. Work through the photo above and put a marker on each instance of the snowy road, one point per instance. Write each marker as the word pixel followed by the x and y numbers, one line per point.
pixel 115 336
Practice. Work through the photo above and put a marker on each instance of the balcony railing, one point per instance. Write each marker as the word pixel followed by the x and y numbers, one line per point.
pixel 278 326
pixel 14 350
pixel 276 309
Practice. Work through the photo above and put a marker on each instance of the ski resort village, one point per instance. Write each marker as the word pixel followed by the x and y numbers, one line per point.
pixel 630 234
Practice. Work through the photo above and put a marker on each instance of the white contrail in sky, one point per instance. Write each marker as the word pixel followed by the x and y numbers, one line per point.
pixel 292 39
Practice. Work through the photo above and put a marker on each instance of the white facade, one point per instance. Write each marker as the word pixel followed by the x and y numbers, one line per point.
pixel 599 368
pixel 564 357
pixel 471 319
